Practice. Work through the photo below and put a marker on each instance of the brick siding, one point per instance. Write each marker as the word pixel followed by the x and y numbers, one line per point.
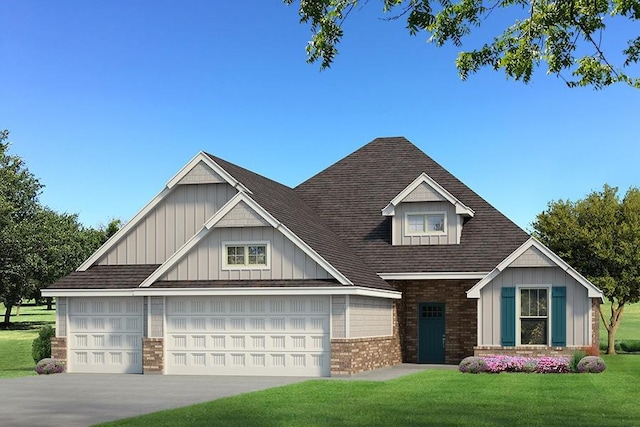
pixel 460 316
pixel 59 348
pixel 595 321
pixel 152 355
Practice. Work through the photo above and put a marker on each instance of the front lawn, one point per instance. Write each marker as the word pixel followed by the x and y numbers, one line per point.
pixel 438 398
pixel 15 342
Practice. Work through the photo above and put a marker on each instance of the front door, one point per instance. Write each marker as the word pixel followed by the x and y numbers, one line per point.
pixel 431 336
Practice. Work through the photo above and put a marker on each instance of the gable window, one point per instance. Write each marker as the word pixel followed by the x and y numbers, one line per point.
pixel 425 223
pixel 534 317
pixel 249 255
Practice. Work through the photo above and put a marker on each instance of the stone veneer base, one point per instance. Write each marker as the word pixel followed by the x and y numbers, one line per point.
pixel 352 355
pixel 59 348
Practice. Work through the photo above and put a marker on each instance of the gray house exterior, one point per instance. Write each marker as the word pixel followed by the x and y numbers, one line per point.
pixel 383 257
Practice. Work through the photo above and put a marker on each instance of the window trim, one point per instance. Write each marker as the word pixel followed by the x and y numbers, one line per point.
pixel 425 215
pixel 246 266
pixel 519 288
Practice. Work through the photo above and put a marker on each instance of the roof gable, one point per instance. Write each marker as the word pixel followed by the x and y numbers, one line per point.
pixel 246 203
pixel 533 246
pixel 425 188
pixel 367 179
pixel 200 167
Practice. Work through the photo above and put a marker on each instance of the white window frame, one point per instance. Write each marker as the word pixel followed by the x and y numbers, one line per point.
pixel 519 288
pixel 246 265
pixel 426 215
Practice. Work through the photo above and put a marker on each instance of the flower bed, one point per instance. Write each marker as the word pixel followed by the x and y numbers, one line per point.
pixel 497 364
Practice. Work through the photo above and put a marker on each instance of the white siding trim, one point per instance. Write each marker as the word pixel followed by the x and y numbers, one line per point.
pixel 592 290
pixel 479 323
pixel 202 157
pixel 459 275
pixel 461 208
pixel 329 290
pixel 347 314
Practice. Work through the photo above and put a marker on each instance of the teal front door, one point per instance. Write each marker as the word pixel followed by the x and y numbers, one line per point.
pixel 431 336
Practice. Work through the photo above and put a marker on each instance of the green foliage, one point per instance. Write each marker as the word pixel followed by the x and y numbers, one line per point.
pixel 600 237
pixel 630 346
pixel 41 347
pixel 37 245
pixel 576 357
pixel 566 35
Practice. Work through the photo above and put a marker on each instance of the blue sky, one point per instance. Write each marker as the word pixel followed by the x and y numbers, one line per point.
pixel 106 100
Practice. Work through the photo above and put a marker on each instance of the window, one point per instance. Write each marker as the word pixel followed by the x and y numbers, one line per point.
pixel 425 223
pixel 534 317
pixel 241 255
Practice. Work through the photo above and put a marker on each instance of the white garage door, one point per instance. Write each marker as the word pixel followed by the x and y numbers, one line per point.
pixel 248 336
pixel 105 335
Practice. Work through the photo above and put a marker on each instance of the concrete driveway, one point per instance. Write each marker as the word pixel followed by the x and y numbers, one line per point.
pixel 85 399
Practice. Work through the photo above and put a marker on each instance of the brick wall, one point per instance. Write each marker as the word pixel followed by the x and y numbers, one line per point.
pixel 353 355
pixel 460 316
pixel 59 348
pixel 595 321
pixel 524 351
pixel 152 355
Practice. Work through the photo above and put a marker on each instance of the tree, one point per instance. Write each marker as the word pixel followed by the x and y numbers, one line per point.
pixel 600 237
pixel 19 191
pixel 37 245
pixel 567 35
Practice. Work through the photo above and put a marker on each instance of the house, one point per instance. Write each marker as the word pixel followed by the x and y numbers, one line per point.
pixel 382 258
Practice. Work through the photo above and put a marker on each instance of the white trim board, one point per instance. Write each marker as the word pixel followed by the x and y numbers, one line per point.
pixel 423 178
pixel 275 291
pixel 454 275
pixel 592 290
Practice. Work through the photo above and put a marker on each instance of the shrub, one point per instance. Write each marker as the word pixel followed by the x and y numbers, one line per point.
pixel 41 347
pixel 592 364
pixel 473 365
pixel 630 346
pixel 594 350
pixel 576 357
pixel 50 366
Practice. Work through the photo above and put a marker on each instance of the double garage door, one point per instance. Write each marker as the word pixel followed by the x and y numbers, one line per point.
pixel 205 335
pixel 248 336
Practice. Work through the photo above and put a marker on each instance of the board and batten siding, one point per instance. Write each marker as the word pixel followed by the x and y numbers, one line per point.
pixel 169 225
pixel 399 224
pixel 205 261
pixel 577 309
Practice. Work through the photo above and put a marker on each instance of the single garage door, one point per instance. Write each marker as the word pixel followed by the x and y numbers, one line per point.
pixel 248 336
pixel 105 335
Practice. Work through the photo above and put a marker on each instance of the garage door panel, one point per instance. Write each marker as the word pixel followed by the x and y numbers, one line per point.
pixel 105 335
pixel 257 336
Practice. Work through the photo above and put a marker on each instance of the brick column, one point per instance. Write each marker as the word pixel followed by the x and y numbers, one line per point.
pixel 59 348
pixel 152 355
pixel 595 322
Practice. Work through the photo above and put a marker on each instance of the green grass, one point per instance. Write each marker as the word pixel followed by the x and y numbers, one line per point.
pixel 15 343
pixel 438 398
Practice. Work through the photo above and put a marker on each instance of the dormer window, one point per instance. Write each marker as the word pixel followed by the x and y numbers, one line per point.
pixel 425 223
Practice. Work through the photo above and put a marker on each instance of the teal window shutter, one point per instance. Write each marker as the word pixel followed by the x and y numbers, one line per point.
pixel 508 317
pixel 559 316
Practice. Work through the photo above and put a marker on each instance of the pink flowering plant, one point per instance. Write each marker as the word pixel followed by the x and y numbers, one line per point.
pixel 497 364
pixel 50 366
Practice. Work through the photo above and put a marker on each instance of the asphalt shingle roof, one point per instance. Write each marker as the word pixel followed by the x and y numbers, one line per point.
pixel 106 277
pixel 350 195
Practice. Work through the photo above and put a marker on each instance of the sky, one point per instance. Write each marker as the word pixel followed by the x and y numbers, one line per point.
pixel 107 100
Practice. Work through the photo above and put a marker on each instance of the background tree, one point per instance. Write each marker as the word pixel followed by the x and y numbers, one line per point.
pixel 565 34
pixel 38 246
pixel 19 191
pixel 600 237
